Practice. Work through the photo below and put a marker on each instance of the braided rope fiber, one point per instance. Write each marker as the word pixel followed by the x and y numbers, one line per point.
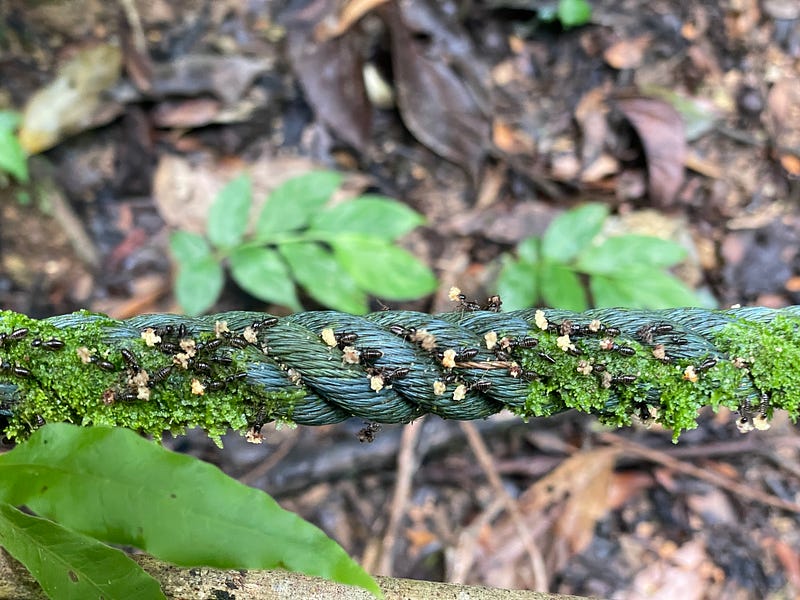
pixel 162 372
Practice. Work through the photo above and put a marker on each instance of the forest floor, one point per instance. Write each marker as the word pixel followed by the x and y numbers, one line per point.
pixel 682 117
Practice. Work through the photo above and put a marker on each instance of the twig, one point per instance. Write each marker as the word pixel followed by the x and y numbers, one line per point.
pixel 487 464
pixel 664 459
pixel 406 466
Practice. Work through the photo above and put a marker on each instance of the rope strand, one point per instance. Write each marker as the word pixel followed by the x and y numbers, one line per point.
pixel 239 370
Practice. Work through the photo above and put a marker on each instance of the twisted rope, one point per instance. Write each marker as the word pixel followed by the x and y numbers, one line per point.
pixel 240 370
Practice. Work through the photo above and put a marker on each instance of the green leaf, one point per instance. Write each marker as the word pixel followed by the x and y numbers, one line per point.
pixel 518 284
pixel 368 215
pixel 382 269
pixel 609 292
pixel 70 565
pixel 262 273
pixel 529 250
pixel 620 254
pixel 198 285
pixel 561 287
pixel 188 247
pixel 572 13
pixel 227 219
pixel 323 278
pixel 9 120
pixel 12 156
pixel 642 288
pixel 292 205
pixel 573 231
pixel 117 487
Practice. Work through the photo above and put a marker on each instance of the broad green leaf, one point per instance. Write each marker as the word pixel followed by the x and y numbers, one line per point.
pixel 115 486
pixel 323 278
pixel 572 13
pixel 642 288
pixel 70 565
pixel 227 219
pixel 198 285
pixel 573 231
pixel 608 292
pixel 618 255
pixel 518 284
pixel 657 289
pixel 368 215
pixel 292 205
pixel 561 287
pixel 188 247
pixel 382 269
pixel 529 250
pixel 12 156
pixel 9 120
pixel 262 273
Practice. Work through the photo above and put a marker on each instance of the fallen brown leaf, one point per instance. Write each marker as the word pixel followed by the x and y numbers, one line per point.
pixel 627 54
pixel 661 131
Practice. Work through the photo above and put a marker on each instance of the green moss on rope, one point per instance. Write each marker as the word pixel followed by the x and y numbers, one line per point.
pixel 239 370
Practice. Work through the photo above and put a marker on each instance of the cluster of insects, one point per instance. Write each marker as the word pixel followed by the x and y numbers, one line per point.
pixel 6 340
pixel 205 360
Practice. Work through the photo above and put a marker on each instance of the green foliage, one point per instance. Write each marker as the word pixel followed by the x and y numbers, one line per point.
pixel 12 157
pixel 570 13
pixel 110 485
pixel 624 270
pixel 338 254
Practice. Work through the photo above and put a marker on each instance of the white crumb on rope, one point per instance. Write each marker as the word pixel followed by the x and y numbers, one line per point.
pixel 376 383
pixel 328 336
pixel 84 354
pixel 220 329
pixel 139 379
pixel 439 388
pixel 540 320
pixel 595 325
pixel 427 341
pixel 460 392
pixel 605 379
pixel 491 340
pixel 351 356
pixel 449 358
pixel 150 337
pixel 565 343
pixel 250 335
pixel 606 344
pixel 584 367
pixel 181 359
pixel 189 346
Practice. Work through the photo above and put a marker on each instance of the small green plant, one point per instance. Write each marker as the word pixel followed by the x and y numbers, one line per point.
pixel 92 486
pixel 337 253
pixel 570 13
pixel 13 161
pixel 625 270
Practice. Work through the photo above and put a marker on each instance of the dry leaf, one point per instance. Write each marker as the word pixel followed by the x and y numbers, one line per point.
pixel 331 74
pixel 72 102
pixel 627 54
pixel 438 105
pixel 661 131
pixel 351 12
